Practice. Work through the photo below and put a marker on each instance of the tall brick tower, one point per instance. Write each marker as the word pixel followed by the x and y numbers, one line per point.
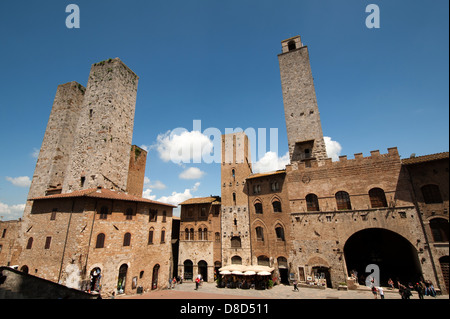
pixel 101 151
pixel 301 112
pixel 54 155
pixel 236 167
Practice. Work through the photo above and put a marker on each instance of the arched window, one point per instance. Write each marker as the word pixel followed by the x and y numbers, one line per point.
pixel 200 234
pixel 234 199
pixel 259 234
pixel 291 45
pixel 276 206
pixel 263 261
pixel 343 201
pixel 235 242
pixel 127 239
pixel 377 198
pixel 163 236
pixel 150 236
pixel 279 230
pixel 100 243
pixel 30 243
pixel 191 234
pixel 104 212
pixel 186 234
pixel 274 186
pixel 236 260
pixel 439 229
pixel 431 194
pixel 233 173
pixel 312 203
pixel 258 208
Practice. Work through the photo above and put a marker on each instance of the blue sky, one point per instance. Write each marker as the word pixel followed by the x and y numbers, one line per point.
pixel 216 61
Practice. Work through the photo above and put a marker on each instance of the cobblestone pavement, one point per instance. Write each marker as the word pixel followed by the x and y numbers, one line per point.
pixel 210 291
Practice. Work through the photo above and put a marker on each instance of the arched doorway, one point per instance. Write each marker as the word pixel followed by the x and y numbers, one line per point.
pixel 188 269
pixel 203 270
pixel 96 275
pixel 122 279
pixel 283 270
pixel 24 269
pixel 443 261
pixel 393 254
pixel 155 277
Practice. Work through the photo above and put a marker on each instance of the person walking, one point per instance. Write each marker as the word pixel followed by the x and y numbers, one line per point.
pixel 374 291
pixel 295 285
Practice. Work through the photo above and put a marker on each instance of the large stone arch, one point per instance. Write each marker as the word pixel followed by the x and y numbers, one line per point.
pixel 394 254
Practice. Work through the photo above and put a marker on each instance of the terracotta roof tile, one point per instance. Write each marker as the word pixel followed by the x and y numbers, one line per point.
pixel 215 200
pixel 102 193
pixel 425 158
pixel 282 171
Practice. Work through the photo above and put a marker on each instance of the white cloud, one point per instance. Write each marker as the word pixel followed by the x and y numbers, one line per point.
pixel 10 212
pixel 35 153
pixel 192 173
pixel 271 162
pixel 175 198
pixel 333 148
pixel 22 181
pixel 147 194
pixel 154 185
pixel 184 147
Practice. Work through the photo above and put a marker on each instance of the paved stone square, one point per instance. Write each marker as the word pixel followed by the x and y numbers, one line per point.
pixel 210 291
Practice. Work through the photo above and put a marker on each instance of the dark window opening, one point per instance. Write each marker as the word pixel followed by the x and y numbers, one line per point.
pixel 291 45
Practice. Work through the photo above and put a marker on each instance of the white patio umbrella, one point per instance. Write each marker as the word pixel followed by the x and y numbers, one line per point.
pixel 249 273
pixel 225 272
pixel 264 273
pixel 237 272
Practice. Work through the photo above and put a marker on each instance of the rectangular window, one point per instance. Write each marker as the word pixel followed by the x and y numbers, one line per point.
pixel 53 215
pixel 48 241
pixel 163 236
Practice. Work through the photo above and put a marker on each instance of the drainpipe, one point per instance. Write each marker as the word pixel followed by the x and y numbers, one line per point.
pixel 65 241
pixel 90 238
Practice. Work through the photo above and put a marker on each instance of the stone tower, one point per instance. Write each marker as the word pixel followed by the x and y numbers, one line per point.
pixel 301 112
pixel 101 151
pixel 236 167
pixel 58 140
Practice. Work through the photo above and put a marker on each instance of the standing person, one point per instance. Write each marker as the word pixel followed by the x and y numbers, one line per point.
pixel 381 292
pixel 197 281
pixel 170 284
pixel 418 288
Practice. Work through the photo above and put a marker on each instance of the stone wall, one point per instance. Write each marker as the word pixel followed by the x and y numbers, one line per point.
pixel 101 152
